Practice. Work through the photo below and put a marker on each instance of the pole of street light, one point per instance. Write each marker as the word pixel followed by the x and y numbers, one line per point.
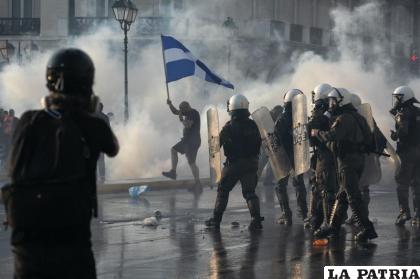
pixel 125 12
pixel 126 115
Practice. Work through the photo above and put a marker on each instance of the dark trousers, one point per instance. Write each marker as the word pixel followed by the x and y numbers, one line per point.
pixel 46 260
pixel 409 176
pixel 350 171
pixel 244 171
pixel 300 191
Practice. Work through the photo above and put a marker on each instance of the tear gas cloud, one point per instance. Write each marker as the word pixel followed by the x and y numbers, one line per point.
pixel 152 129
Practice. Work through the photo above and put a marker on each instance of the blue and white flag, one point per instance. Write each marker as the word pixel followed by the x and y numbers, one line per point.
pixel 181 63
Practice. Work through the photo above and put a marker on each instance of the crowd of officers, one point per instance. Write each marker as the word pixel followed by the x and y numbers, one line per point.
pixel 54 152
pixel 341 139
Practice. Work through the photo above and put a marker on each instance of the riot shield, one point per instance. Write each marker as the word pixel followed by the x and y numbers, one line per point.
pixel 372 173
pixel 366 111
pixel 277 156
pixel 215 160
pixel 300 134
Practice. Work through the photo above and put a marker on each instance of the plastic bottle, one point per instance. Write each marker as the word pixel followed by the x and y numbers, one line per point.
pixel 136 191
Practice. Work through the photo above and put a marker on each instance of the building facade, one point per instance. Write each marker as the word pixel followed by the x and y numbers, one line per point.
pixel 30 25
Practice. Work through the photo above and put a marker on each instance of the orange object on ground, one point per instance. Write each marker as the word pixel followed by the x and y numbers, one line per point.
pixel 320 242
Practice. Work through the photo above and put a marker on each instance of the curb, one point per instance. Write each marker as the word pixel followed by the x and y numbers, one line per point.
pixel 154 184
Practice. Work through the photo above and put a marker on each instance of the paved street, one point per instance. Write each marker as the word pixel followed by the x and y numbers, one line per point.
pixel 181 247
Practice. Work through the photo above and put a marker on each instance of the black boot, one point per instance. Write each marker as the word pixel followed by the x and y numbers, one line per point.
pixel 332 230
pixel 315 219
pixel 254 210
pixel 328 201
pixel 416 204
pixel 286 218
pixel 366 198
pixel 367 231
pixel 301 198
pixel 351 221
pixel 219 208
pixel 404 215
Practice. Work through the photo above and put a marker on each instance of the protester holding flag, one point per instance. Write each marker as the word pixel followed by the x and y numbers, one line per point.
pixel 180 63
pixel 190 142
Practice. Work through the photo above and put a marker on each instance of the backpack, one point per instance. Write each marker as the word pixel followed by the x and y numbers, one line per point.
pixel 368 143
pixel 49 170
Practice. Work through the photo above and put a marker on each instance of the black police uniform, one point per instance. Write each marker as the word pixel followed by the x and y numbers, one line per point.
pixel 350 135
pixel 241 143
pixel 63 250
pixel 284 133
pixel 53 174
pixel 407 135
pixel 324 179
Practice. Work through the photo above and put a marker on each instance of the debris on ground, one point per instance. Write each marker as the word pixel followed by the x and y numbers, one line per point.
pixel 136 191
pixel 154 220
pixel 235 224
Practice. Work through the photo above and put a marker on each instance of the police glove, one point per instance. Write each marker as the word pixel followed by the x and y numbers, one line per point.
pixel 394 135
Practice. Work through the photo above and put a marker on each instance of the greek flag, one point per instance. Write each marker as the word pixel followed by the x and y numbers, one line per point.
pixel 180 63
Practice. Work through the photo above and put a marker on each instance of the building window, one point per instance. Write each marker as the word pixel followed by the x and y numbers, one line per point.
pixel 277 29
pixel 165 7
pixel 315 36
pixel 178 4
pixel 16 8
pixel 27 8
pixel 296 32
pixel 100 8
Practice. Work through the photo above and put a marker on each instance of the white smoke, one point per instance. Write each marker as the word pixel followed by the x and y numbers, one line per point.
pixel 152 130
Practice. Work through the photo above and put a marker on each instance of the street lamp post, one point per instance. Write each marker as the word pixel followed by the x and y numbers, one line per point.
pixel 125 12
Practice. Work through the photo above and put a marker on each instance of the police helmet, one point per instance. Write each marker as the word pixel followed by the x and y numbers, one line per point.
pixel 237 102
pixel 339 97
pixel 70 71
pixel 403 94
pixel 355 100
pixel 320 92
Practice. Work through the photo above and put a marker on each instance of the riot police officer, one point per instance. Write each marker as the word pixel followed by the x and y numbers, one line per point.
pixel 324 186
pixel 241 143
pixel 371 164
pixel 350 137
pixel 407 135
pixel 53 174
pixel 284 133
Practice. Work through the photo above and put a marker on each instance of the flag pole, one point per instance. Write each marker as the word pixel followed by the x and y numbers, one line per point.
pixel 164 65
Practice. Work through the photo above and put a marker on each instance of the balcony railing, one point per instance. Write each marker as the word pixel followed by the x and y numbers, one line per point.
pixel 82 25
pixel 142 25
pixel 19 26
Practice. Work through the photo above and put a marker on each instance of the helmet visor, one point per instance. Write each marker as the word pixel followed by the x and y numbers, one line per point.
pixel 332 103
pixel 397 100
